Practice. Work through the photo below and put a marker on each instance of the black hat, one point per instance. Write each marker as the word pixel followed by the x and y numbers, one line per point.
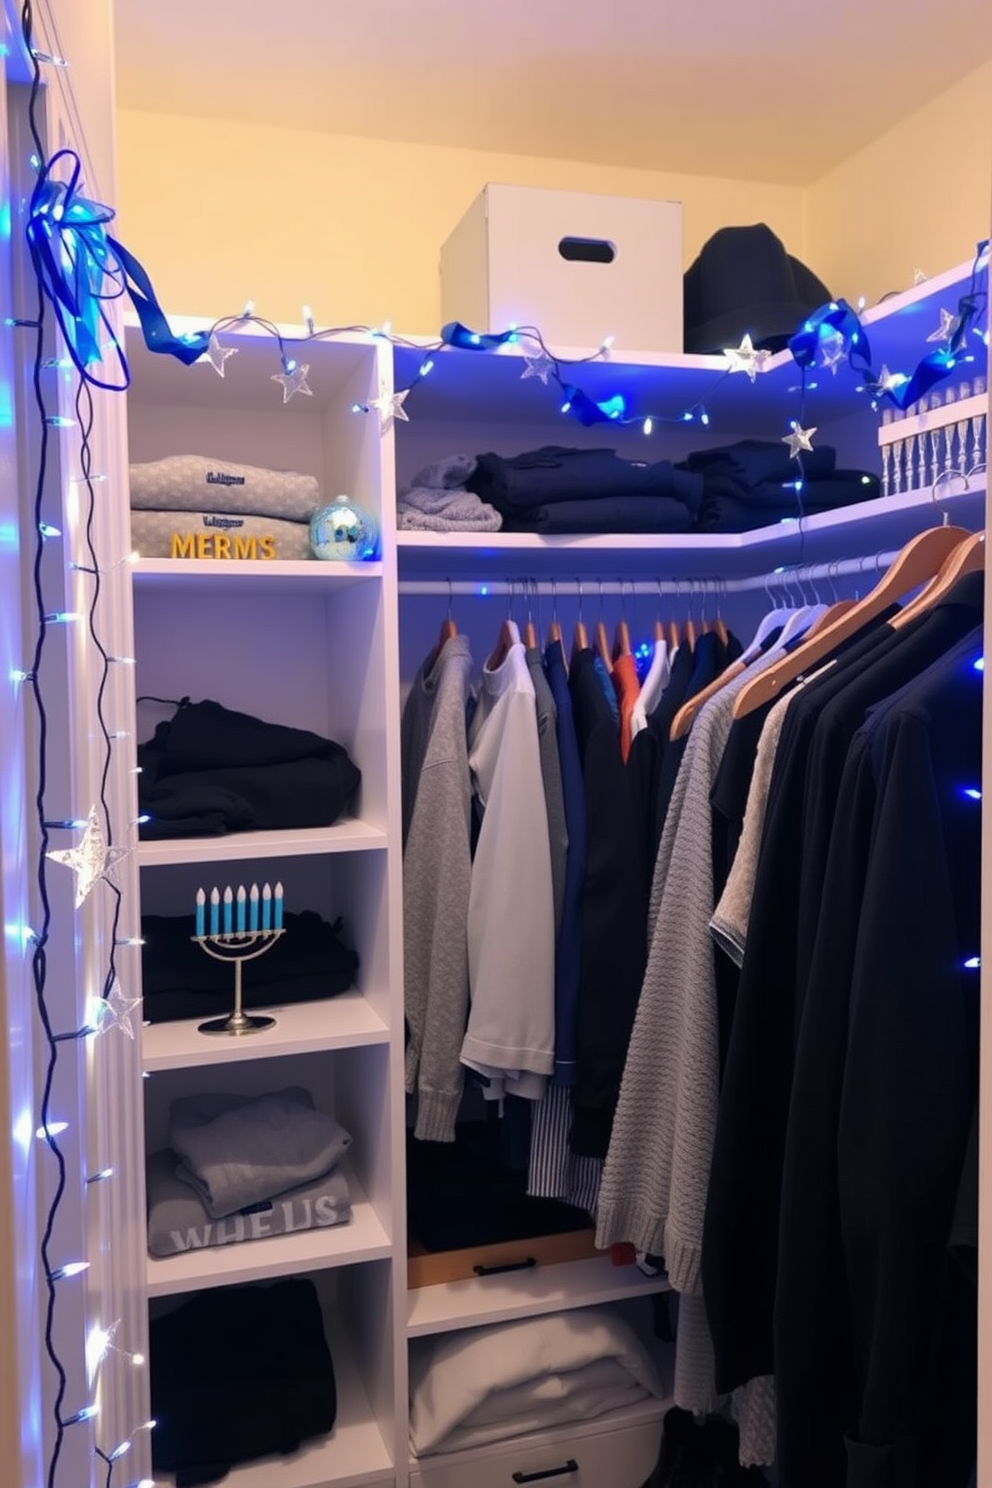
pixel 744 282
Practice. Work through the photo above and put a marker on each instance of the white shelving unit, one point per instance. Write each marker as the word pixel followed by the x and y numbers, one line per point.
pixel 332 648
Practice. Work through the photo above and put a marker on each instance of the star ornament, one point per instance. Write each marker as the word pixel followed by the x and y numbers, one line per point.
pixel 889 382
pixel 947 330
pixel 832 351
pixel 390 406
pixel 92 859
pixel 217 355
pixel 745 358
pixel 113 1011
pixel 540 366
pixel 294 379
pixel 799 440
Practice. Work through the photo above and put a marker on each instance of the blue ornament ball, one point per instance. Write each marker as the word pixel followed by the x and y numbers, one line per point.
pixel 345 532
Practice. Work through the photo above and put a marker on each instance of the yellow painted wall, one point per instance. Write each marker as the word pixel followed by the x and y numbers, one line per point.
pixel 917 197
pixel 220 213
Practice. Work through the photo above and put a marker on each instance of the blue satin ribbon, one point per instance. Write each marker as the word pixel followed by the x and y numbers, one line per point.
pixel 839 319
pixel 584 408
pixel 455 334
pixel 82 269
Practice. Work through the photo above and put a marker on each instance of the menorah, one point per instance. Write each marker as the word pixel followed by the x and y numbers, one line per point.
pixel 246 934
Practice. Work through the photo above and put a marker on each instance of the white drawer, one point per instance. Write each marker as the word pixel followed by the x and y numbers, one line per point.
pixel 612 1457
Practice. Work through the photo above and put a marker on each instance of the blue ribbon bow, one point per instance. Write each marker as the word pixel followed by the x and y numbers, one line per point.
pixel 81 269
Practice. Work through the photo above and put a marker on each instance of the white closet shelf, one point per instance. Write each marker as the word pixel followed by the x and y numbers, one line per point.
pixel 464 383
pixel 246 384
pixel 349 835
pixel 870 527
pixel 363 1238
pixel 517 1294
pixel 352 1456
pixel 347 1021
pixel 209 575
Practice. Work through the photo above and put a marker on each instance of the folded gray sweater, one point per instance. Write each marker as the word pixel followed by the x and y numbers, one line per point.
pixel 237 1150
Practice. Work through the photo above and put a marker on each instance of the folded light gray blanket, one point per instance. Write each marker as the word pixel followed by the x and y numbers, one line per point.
pixel 177 1219
pixel 236 1150
pixel 214 534
pixel 195 482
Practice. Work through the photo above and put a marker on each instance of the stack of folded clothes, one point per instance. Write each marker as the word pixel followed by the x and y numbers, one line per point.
pixel 209 770
pixel 753 484
pixel 239 1373
pixel 554 489
pixel 437 500
pixel 744 485
pixel 306 964
pixel 191 506
pixel 485 1385
pixel 464 1193
pixel 243 1168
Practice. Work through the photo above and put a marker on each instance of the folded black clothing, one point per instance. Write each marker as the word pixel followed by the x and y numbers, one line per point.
pixel 604 514
pixel 462 1194
pixel 209 770
pixel 554 473
pixel 724 511
pixel 178 981
pixel 239 1373
pixel 751 461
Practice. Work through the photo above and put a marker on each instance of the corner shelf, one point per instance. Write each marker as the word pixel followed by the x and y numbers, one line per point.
pixel 363 1238
pixel 870 526
pixel 450 1305
pixel 343 1022
pixel 350 835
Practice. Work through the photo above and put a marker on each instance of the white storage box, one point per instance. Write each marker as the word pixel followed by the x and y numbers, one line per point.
pixel 578 267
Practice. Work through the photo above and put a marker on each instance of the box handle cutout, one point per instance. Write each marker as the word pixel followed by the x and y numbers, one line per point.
pixel 587 250
pixel 525 1265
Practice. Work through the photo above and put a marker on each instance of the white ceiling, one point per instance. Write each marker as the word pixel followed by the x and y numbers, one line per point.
pixel 774 90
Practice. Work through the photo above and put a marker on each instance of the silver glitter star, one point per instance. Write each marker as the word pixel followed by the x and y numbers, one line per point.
pixel 217 355
pixel 540 366
pixel 799 439
pixel 92 859
pixel 888 381
pixel 113 1011
pixel 390 406
pixel 745 358
pixel 832 351
pixel 947 329
pixel 293 379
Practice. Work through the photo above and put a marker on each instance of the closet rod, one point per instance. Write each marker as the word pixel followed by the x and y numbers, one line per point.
pixel 591 588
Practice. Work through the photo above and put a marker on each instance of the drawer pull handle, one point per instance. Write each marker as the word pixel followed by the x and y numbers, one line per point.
pixel 571 1466
pixel 525 1265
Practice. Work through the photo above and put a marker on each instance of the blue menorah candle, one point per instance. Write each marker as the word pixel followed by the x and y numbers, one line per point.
pixel 253 908
pixel 214 911
pixel 228 910
pixel 201 914
pixel 277 923
pixel 241 909
pixel 266 907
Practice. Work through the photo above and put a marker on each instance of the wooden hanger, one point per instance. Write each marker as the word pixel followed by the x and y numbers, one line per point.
pixel 602 639
pixel 918 561
pixel 968 557
pixel 447 632
pixel 686 716
pixel 580 640
pixel 554 629
pixel 621 635
pixel 509 635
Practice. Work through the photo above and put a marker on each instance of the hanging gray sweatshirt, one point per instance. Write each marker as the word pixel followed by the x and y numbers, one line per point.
pixel 437 873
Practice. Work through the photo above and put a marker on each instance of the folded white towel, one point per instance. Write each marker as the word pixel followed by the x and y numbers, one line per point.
pixel 483 1384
